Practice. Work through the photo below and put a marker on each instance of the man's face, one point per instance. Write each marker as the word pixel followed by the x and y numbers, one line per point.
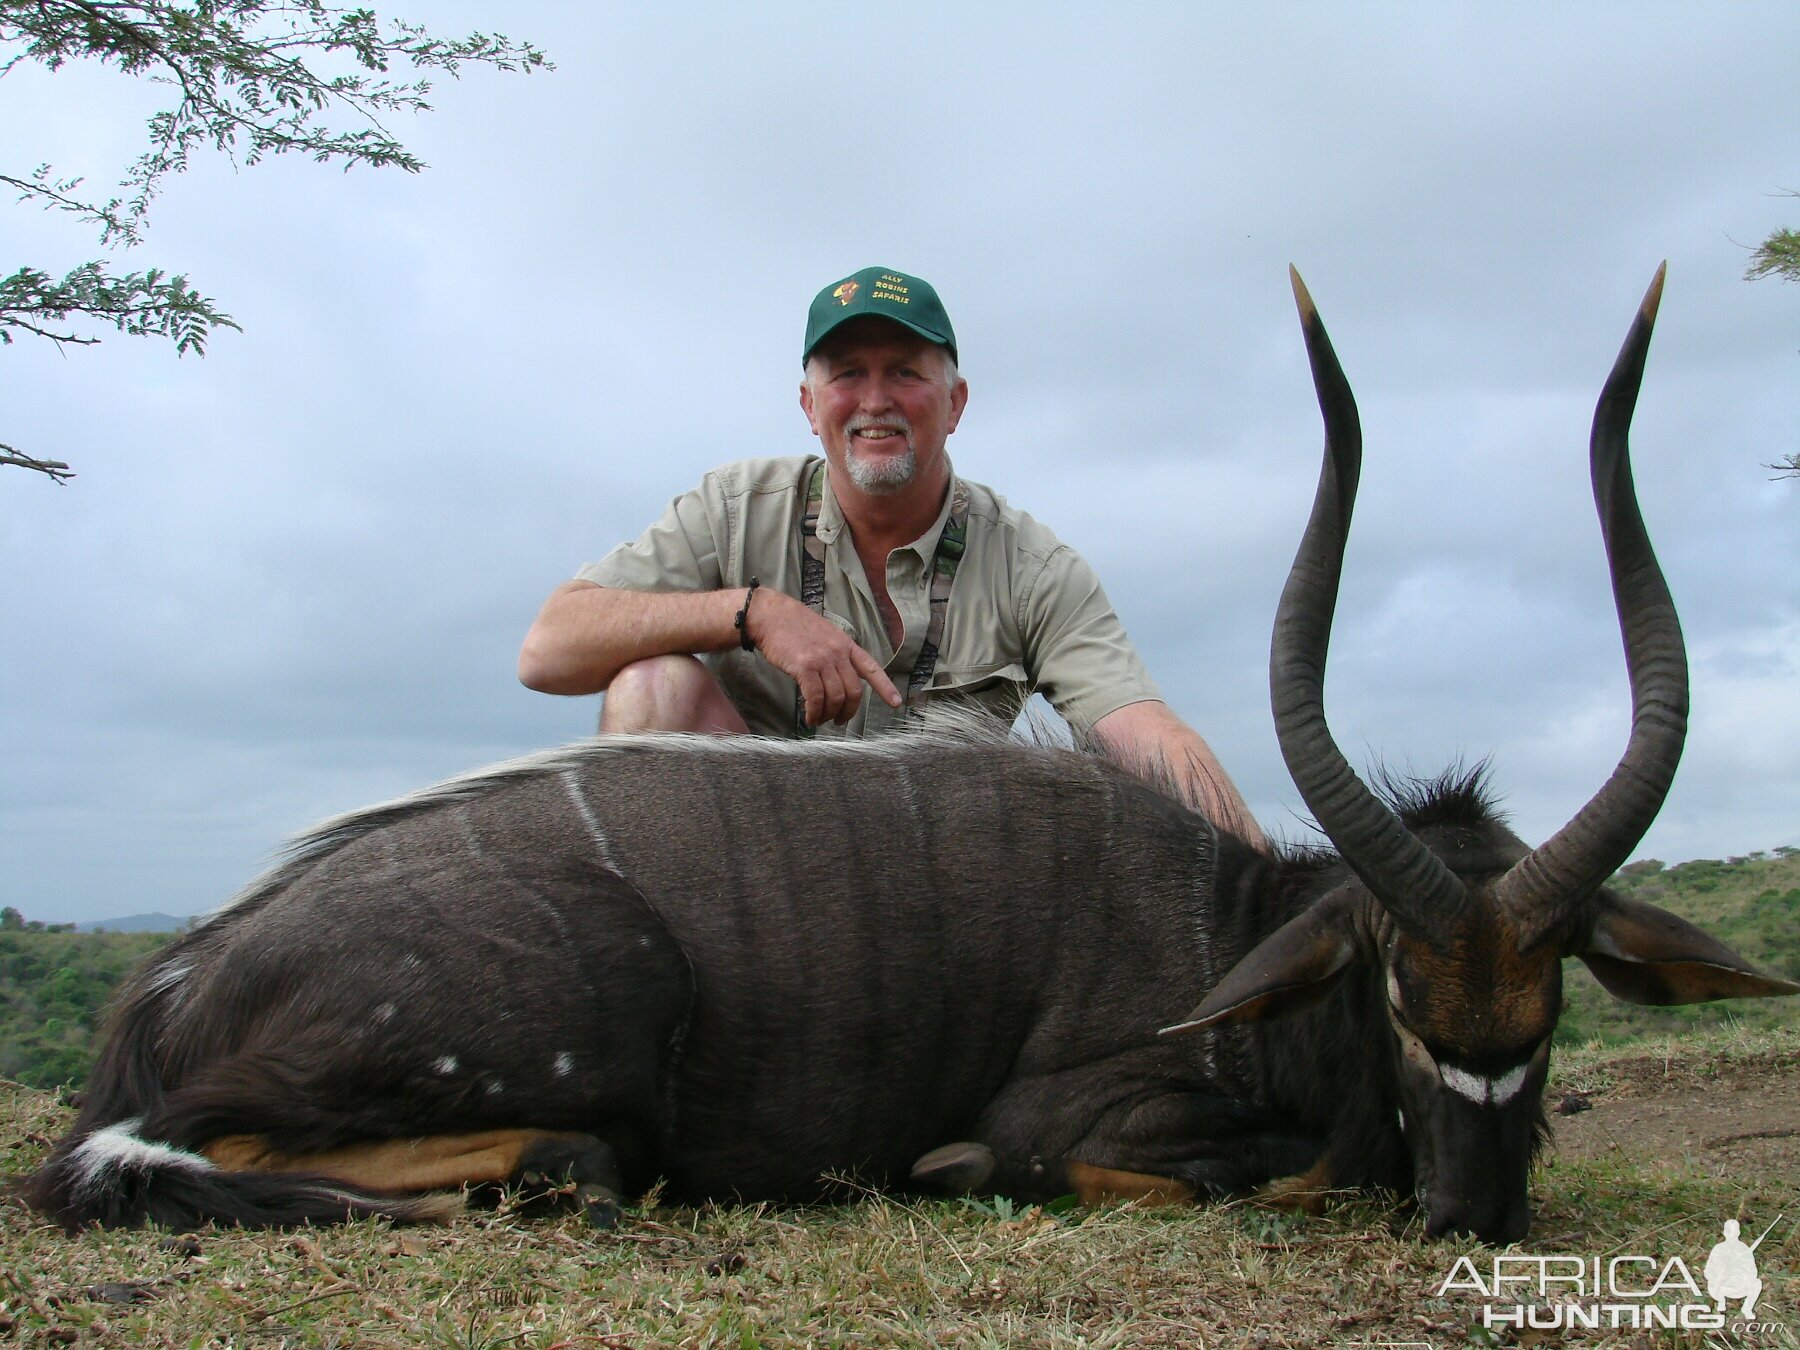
pixel 877 396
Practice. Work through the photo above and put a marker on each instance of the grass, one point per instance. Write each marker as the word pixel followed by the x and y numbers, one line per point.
pixel 889 1271
pixel 1751 904
pixel 883 1271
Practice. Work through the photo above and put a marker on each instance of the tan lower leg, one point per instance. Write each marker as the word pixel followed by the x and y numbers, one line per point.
pixel 1096 1185
pixel 431 1163
pixel 1305 1192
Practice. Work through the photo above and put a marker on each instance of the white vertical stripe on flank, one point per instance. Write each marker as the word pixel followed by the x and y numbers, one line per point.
pixel 572 785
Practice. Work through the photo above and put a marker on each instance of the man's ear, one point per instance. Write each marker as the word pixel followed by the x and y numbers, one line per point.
pixel 1295 966
pixel 1643 954
pixel 959 399
pixel 806 405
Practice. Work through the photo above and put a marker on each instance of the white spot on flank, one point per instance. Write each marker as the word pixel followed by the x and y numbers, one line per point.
pixel 116 1148
pixel 385 1013
pixel 564 1064
pixel 1481 1090
pixel 494 1087
pixel 447 1064
pixel 411 961
pixel 572 785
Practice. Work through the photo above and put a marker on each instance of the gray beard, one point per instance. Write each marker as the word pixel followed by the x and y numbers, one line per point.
pixel 884 476
pixel 879 478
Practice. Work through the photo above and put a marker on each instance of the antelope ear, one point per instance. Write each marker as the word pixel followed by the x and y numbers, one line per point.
pixel 1296 965
pixel 1643 954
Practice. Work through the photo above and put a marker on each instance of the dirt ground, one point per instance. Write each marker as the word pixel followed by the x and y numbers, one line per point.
pixel 1720 1120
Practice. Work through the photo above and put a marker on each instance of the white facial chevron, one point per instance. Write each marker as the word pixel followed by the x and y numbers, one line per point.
pixel 1481 1090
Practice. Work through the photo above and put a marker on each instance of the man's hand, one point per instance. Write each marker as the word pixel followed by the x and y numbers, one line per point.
pixel 822 659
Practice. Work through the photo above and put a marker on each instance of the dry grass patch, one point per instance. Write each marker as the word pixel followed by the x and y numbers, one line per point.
pixel 879 1271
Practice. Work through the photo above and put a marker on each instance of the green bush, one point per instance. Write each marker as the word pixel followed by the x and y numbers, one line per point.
pixel 1752 904
pixel 53 988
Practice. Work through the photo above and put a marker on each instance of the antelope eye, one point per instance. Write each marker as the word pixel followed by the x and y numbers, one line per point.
pixel 1396 1005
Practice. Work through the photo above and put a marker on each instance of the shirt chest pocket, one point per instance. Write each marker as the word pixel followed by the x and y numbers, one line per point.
pixel 997 687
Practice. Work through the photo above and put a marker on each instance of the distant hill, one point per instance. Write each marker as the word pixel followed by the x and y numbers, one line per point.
pixel 138 923
pixel 52 987
pixel 1751 904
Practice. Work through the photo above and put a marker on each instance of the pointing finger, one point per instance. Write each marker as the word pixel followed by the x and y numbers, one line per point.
pixel 870 669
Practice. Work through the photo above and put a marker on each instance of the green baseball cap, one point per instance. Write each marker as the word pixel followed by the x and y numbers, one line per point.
pixel 884 292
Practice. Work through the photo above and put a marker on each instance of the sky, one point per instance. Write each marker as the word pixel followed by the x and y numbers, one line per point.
pixel 291 578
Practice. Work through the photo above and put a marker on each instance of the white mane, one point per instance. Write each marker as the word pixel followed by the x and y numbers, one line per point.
pixel 939 728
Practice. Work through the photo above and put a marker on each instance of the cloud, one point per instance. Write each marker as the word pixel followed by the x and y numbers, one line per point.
pixel 292 577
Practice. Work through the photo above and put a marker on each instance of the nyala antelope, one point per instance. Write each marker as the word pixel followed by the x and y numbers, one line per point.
pixel 939 960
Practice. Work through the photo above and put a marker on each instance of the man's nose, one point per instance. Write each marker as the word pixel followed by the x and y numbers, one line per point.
pixel 877 395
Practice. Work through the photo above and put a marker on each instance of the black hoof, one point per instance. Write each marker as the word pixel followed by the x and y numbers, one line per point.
pixel 570 1172
pixel 600 1207
pixel 957 1169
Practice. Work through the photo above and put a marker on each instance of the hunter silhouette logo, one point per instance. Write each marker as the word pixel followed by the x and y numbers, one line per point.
pixel 1731 1270
pixel 1565 1292
pixel 846 293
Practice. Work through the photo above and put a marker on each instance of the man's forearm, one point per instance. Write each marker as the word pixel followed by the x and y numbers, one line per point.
pixel 585 634
pixel 1150 740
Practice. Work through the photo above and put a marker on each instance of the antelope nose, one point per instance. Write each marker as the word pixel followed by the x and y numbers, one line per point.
pixel 1495 1224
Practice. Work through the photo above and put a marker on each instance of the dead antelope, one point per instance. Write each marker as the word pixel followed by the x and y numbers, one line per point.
pixel 939 959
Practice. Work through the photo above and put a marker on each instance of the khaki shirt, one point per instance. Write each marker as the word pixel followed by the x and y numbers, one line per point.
pixel 1026 613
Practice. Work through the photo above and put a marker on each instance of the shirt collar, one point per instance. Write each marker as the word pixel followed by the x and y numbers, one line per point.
pixel 831 521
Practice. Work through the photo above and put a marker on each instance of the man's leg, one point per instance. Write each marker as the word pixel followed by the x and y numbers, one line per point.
pixel 669 693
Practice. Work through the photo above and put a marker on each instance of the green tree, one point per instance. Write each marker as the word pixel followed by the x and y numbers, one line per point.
pixel 247 78
pixel 1779 256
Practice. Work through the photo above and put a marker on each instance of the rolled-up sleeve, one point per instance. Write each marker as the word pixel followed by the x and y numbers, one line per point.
pixel 680 552
pixel 1075 646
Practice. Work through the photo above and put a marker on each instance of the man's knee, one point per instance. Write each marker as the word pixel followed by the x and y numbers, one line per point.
pixel 668 693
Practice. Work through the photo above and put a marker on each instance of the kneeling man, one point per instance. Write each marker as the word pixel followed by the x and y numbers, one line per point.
pixel 839 595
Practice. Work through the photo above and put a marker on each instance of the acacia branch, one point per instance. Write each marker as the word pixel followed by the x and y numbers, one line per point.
pixel 243 79
pixel 239 84
pixel 53 469
pixel 143 304
pixel 14 321
pixel 1776 256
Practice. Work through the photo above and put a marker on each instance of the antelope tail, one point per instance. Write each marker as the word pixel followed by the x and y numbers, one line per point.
pixel 116 1178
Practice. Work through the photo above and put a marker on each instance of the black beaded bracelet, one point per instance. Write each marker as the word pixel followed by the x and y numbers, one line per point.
pixel 740 623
